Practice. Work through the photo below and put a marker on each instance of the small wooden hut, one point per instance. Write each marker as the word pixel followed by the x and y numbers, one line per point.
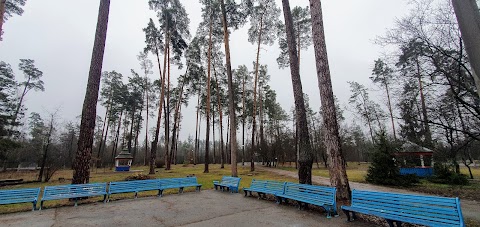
pixel 415 159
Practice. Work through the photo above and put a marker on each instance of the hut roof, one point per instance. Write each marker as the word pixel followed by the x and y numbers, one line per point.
pixel 413 148
pixel 124 154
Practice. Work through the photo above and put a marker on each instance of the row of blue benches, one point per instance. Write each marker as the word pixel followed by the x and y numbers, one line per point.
pixel 395 208
pixel 76 191
pixel 301 193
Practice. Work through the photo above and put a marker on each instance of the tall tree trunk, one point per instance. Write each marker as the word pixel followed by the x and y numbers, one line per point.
pixel 103 133
pixel 199 136
pixel 81 173
pixel 178 135
pixel 228 130
pixel 305 158
pixel 176 118
pixel 426 126
pixel 70 150
pixel 263 147
pixel 296 141
pixel 213 134
pixel 195 152
pixel 101 159
pixel 367 115
pixel 137 132
pixel 117 137
pixel 468 18
pixel 219 101
pixel 391 111
pixel 2 14
pixel 337 170
pixel 254 122
pixel 167 117
pixel 146 117
pixel 231 106
pixel 45 150
pixel 17 110
pixel 207 114
pixel 153 152
pixel 243 122
pixel 130 134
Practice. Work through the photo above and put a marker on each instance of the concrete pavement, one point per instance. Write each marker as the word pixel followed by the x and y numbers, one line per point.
pixel 205 208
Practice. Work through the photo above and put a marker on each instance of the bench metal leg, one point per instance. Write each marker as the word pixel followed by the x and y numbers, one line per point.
pixel 348 215
pixel 180 190
pixel 136 195
pixel 76 200
pixel 34 205
pixel 392 223
pixel 104 198
pixel 301 206
pixel 198 188
pixel 278 200
pixel 245 192
pixel 160 193
pixel 41 205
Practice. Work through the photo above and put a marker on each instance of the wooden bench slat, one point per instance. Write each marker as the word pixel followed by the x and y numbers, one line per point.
pixel 265 187
pixel 26 195
pixel 132 186
pixel 415 209
pixel 312 194
pixel 232 183
pixel 180 183
pixel 405 219
pixel 74 191
pixel 406 208
pixel 405 213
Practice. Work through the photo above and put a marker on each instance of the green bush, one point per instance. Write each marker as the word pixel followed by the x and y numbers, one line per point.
pixel 138 177
pixel 384 170
pixel 443 174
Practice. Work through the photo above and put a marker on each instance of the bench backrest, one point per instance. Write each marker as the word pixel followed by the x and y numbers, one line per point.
pixel 231 181
pixel 177 182
pixel 133 186
pixel 274 186
pixel 444 210
pixel 19 195
pixel 74 191
pixel 313 193
pixel 186 181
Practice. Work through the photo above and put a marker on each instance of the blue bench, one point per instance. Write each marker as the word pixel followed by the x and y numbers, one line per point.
pixel 26 195
pixel 263 187
pixel 134 186
pixel 310 194
pixel 228 183
pixel 414 209
pixel 180 183
pixel 74 191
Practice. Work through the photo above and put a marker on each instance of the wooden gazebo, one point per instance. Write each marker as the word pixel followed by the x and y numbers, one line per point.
pixel 415 159
pixel 123 161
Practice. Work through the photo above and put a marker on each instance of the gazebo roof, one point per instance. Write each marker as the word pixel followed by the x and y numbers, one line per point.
pixel 124 154
pixel 413 148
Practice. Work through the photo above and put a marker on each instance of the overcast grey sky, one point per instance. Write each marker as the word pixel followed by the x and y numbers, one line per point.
pixel 58 35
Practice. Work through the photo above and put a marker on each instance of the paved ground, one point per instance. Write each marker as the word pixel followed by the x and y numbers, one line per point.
pixel 470 208
pixel 205 208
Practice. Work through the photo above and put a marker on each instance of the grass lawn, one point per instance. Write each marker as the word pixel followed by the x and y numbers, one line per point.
pixel 106 175
pixel 356 172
